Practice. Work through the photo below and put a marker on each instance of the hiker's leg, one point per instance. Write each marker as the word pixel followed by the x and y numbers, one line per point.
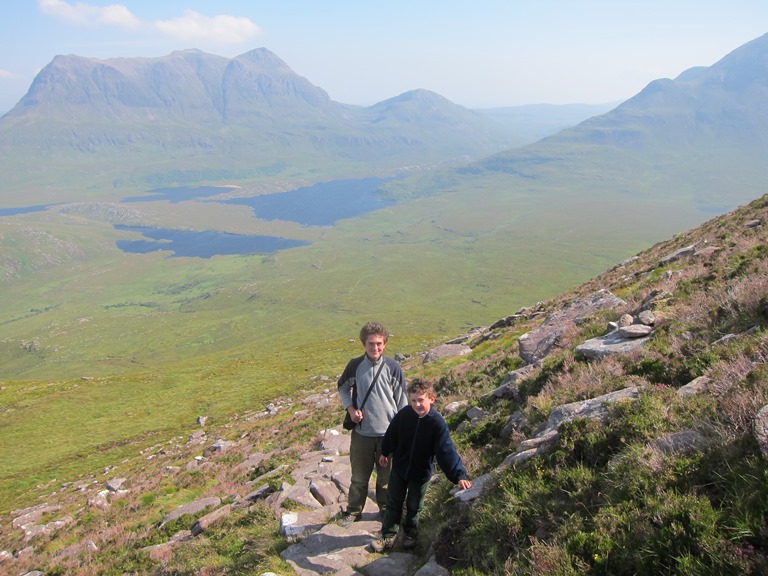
pixel 382 478
pixel 390 526
pixel 362 450
pixel 414 503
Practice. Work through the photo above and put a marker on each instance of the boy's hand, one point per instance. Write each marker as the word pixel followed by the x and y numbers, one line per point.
pixel 465 484
pixel 383 461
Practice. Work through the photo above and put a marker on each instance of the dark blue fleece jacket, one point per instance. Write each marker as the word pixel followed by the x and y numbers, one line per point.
pixel 413 443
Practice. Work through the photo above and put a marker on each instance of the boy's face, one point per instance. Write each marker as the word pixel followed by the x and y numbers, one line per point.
pixel 422 403
pixel 374 346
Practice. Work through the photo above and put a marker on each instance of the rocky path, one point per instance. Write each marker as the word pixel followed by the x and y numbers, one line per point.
pixel 320 545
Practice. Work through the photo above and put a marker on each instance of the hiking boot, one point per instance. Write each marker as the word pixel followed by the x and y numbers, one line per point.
pixel 346 519
pixel 409 542
pixel 383 544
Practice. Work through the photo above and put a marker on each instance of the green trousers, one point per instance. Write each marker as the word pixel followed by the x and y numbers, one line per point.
pixel 364 454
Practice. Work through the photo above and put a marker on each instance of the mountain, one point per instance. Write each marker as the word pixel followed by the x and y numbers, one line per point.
pixel 701 137
pixel 720 106
pixel 191 116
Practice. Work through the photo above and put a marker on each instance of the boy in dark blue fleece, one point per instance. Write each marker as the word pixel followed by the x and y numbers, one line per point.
pixel 417 435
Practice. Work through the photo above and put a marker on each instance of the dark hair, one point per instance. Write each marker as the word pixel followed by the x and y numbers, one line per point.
pixel 371 329
pixel 421 386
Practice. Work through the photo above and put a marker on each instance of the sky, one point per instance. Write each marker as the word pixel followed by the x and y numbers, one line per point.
pixel 478 53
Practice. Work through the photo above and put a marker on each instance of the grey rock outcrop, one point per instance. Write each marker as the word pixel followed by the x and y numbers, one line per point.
pixel 541 341
pixel 190 508
pixel 685 442
pixel 696 386
pixel 761 430
pixel 612 343
pixel 676 255
pixel 446 351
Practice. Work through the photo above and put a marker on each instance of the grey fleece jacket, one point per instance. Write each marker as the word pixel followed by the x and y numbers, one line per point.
pixel 386 399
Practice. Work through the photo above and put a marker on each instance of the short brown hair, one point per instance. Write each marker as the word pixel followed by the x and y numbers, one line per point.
pixel 422 386
pixel 373 328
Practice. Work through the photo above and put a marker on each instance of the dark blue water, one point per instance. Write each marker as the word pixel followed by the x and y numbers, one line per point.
pixel 202 244
pixel 321 204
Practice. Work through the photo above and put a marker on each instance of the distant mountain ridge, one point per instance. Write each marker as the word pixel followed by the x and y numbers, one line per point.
pixel 187 84
pixel 703 135
pixel 217 116
pixel 722 104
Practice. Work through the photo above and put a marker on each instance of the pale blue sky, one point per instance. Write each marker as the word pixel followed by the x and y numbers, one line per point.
pixel 479 53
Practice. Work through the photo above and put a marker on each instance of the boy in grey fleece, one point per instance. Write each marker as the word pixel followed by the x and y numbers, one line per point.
pixel 387 397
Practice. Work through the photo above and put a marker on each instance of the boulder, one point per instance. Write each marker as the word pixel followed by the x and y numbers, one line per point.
pixel 669 258
pixel 202 524
pixel 594 408
pixel 683 443
pixel 696 386
pixel 432 568
pixel 446 351
pixel 539 342
pixel 191 508
pixel 634 331
pixel 613 343
pixel 760 427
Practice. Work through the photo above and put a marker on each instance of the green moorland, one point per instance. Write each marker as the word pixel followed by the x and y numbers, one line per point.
pixel 104 351
pixel 607 499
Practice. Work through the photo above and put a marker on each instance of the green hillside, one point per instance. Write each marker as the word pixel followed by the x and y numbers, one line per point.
pixel 608 496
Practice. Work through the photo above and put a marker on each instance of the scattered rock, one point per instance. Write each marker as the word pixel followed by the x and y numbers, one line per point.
pixel 454 407
pixel 634 331
pixel 625 320
pixel 432 568
pixel 707 252
pixel 612 343
pixel 646 317
pixel 99 500
pixel 655 299
pixel 446 351
pixel 514 423
pixel 696 386
pixel 116 484
pixel 202 524
pixel 191 508
pixel 509 388
pixel 218 446
pixel 760 428
pixel 594 408
pixel 685 443
pixel 539 342
pixel 687 251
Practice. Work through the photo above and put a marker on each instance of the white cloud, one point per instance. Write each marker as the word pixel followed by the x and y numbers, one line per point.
pixel 192 26
pixel 5 75
pixel 220 29
pixel 87 15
